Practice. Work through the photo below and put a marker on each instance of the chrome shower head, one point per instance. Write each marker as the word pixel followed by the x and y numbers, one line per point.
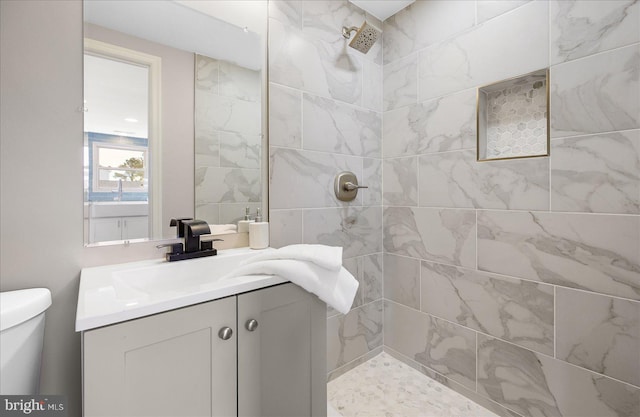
pixel 365 37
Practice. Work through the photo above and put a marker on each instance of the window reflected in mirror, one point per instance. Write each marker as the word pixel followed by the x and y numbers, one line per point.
pixel 118 167
pixel 117 143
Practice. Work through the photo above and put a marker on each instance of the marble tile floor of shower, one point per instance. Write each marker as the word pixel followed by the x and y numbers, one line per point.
pixel 385 387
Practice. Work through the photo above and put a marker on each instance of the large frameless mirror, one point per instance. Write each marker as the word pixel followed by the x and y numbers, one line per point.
pixel 174 104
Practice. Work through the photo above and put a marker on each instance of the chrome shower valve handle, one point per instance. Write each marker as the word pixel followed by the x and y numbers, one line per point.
pixel 346 186
pixel 349 186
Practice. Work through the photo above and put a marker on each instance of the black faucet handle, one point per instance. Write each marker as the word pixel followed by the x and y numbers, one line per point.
pixel 175 247
pixel 179 223
pixel 208 244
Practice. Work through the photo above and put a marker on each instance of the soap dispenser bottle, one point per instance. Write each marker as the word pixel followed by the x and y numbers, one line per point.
pixel 259 233
pixel 243 225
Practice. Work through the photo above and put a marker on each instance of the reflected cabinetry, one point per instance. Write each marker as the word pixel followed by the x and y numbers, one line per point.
pixel 118 228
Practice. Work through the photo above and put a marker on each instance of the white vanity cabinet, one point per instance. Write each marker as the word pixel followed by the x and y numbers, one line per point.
pixel 260 353
pixel 135 227
pixel 117 220
pixel 118 228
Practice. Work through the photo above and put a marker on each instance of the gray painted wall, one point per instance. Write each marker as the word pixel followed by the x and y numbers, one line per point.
pixel 41 232
pixel 41 159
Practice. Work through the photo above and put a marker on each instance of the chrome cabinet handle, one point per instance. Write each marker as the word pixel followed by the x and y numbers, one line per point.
pixel 225 333
pixel 251 325
pixel 349 186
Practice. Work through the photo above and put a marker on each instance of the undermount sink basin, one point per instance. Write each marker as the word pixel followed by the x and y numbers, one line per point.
pixel 116 293
pixel 119 208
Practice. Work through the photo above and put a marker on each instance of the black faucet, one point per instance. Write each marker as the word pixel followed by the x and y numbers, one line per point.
pixel 190 230
pixel 193 229
pixel 179 224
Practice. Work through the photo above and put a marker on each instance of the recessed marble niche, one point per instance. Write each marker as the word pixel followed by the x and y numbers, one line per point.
pixel 513 118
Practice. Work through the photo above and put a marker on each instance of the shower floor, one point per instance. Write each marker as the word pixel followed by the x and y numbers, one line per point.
pixel 385 387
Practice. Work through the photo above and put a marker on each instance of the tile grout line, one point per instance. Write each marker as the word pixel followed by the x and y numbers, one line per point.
pixel 351 362
pixel 533 211
pixel 382 210
pixel 586 134
pixel 477 266
pixel 617 48
pixel 477 362
pixel 555 322
pixel 420 304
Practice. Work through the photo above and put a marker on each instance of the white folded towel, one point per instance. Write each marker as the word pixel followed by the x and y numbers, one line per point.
pixel 336 288
pixel 328 257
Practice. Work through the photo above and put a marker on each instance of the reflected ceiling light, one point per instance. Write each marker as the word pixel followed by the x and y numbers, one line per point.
pixel 131 120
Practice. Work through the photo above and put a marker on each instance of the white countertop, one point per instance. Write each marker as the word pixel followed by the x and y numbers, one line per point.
pixel 116 293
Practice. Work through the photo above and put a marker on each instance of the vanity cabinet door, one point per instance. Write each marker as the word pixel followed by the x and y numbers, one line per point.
pixel 281 353
pixel 169 364
pixel 136 227
pixel 105 229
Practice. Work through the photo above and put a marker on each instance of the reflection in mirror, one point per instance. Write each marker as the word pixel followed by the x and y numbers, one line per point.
pixel 174 117
pixel 117 97
pixel 228 141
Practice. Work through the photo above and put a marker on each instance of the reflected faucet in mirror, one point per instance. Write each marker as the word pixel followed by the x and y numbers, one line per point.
pixel 119 191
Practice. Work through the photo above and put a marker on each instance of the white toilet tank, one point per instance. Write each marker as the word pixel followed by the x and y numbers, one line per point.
pixel 21 338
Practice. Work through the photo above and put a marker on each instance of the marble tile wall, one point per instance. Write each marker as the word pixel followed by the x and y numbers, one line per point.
pixel 445 347
pixel 471 58
pixel 548 386
pixel 596 173
pixel 325 116
pixel 228 140
pixel 594 94
pixel 444 124
pixel 516 283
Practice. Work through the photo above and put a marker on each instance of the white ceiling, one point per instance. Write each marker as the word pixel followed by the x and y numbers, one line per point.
pixel 180 26
pixel 115 91
pixel 382 9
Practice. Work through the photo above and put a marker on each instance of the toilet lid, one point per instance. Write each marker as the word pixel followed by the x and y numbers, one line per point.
pixel 19 306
